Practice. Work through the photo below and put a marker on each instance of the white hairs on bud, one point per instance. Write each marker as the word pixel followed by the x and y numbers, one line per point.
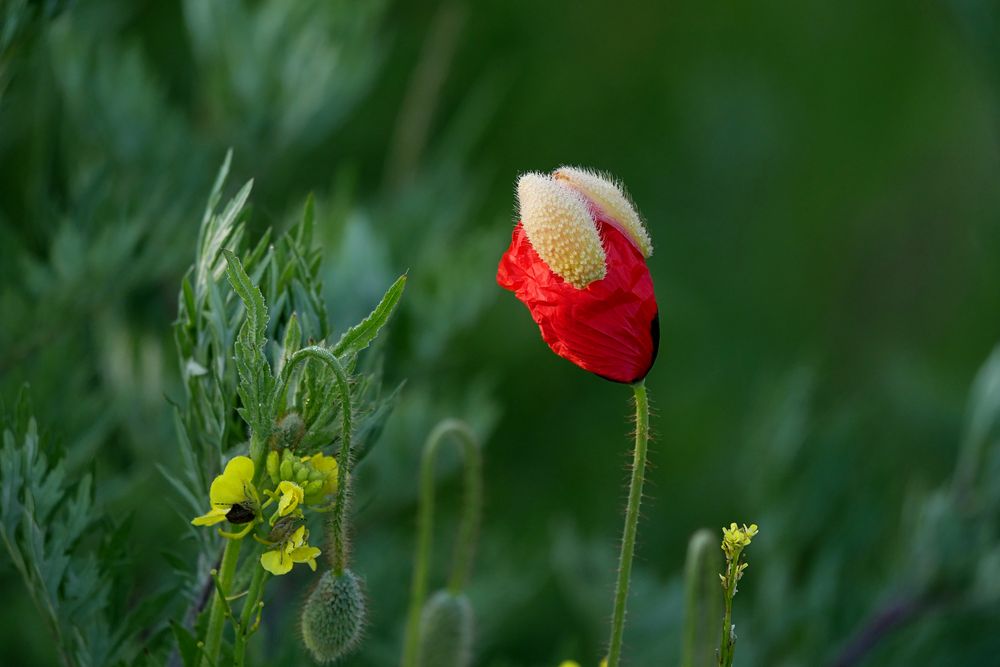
pixel 610 196
pixel 560 228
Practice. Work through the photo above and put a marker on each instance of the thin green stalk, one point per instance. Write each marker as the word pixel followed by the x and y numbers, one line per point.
pixel 250 606
pixel 217 616
pixel 468 529
pixel 727 647
pixel 631 522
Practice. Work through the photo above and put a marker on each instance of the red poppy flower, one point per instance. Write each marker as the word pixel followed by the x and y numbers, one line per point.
pixel 577 261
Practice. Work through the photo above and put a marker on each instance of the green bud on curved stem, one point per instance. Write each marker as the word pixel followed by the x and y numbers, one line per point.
pixel 338 522
pixel 467 533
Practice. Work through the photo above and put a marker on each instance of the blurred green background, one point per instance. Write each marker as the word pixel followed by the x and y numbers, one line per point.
pixel 821 184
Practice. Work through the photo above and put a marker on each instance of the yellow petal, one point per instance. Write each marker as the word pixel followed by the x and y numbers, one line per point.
pixel 298 538
pixel 328 466
pixel 304 553
pixel 291 495
pixel 232 485
pixel 212 517
pixel 325 464
pixel 226 491
pixel 276 562
pixel 240 467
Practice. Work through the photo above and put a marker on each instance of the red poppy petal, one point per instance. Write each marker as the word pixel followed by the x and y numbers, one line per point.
pixel 610 327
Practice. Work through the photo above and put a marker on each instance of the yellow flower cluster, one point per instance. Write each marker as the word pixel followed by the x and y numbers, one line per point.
pixel 736 538
pixel 297 481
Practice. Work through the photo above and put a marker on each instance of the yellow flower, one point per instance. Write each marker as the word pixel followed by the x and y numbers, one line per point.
pixel 291 495
pixel 293 550
pixel 233 497
pixel 736 538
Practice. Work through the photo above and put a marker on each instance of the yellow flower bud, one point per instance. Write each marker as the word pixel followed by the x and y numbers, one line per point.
pixel 273 464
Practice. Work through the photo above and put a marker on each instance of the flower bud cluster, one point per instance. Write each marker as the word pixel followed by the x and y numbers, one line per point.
pixel 734 540
pixel 316 475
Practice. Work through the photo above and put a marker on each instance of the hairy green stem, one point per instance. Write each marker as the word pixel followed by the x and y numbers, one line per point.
pixel 465 543
pixel 631 522
pixel 217 614
pixel 250 605
pixel 338 521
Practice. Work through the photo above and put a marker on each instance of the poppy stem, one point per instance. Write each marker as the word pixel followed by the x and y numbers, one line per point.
pixel 467 532
pixel 631 522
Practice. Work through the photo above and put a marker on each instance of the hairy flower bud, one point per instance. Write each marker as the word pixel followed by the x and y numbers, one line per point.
pixel 333 617
pixel 446 627
pixel 289 431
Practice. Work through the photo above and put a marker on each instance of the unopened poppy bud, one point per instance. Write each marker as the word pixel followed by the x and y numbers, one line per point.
pixel 446 627
pixel 290 430
pixel 577 261
pixel 333 617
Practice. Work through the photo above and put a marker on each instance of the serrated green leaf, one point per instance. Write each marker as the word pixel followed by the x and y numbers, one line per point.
pixel 256 380
pixel 358 337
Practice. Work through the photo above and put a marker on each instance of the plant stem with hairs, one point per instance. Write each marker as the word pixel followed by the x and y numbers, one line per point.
pixel 631 522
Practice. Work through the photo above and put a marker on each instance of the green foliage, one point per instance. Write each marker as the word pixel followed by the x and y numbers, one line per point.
pixel 67 551
pixel 823 200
